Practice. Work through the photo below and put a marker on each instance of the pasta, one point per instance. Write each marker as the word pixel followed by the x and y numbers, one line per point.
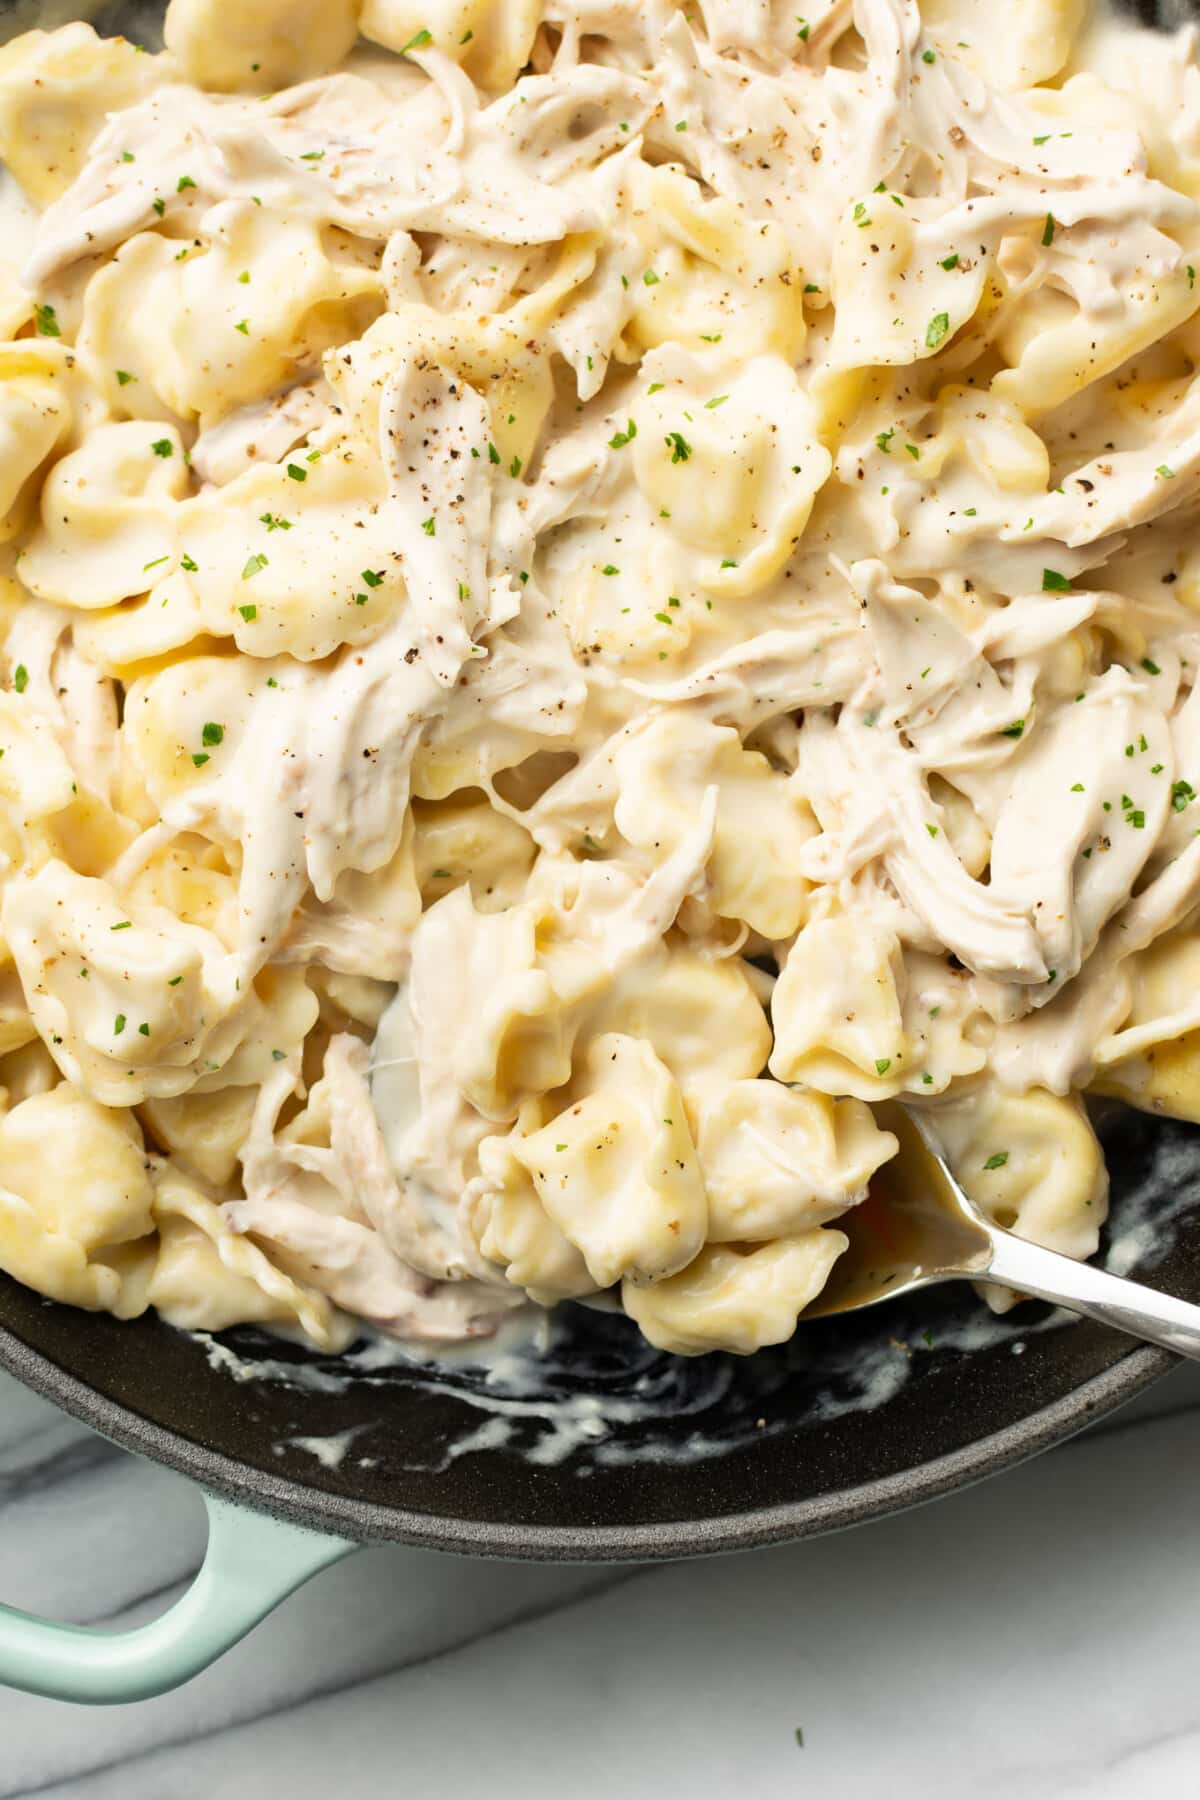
pixel 587 594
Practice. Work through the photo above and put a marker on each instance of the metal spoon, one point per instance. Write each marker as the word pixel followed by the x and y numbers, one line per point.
pixel 917 1227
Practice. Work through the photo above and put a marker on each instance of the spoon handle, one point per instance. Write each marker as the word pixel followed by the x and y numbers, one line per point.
pixel 1126 1305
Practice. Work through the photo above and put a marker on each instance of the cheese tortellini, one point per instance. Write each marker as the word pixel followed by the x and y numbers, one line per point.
pixel 586 596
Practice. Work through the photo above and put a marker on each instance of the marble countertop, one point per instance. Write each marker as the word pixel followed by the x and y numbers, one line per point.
pixel 1038 1634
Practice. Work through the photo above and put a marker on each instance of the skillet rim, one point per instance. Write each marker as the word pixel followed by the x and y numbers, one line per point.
pixel 368 1523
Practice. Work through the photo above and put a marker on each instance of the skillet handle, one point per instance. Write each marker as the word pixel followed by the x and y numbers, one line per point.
pixel 252 1563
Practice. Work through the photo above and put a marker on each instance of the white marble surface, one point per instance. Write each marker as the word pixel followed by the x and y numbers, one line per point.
pixel 1037 1635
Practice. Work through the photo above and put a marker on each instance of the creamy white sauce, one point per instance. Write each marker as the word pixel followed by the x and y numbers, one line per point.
pixel 655 592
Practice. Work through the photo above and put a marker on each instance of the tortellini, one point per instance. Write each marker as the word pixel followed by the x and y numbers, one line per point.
pixel 763 819
pixel 1031 1162
pixel 617 1171
pixel 56 89
pixel 271 293
pixel 733 1297
pixel 70 1220
pixel 585 599
pixel 36 415
pixel 263 46
pixel 490 38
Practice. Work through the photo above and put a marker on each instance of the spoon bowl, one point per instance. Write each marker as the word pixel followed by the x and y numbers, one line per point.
pixel 917 1226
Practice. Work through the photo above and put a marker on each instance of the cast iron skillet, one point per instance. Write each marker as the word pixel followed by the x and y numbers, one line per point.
pixel 816 1461
pixel 719 1453
pixel 856 1418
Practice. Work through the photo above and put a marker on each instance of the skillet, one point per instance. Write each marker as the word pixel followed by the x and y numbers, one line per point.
pixel 597 1449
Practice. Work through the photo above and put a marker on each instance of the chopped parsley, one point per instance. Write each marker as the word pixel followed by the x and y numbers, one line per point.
pixel 20 678
pixel 124 377
pixel 1048 230
pixel 650 278
pixel 678 445
pixel 212 734
pixel 243 325
pixel 199 758
pixel 719 400
pixel 429 526
pixel 1166 473
pixel 185 181
pixel 928 56
pixel 373 577
pixel 418 42
pixel 882 1064
pixel 274 522
pixel 951 261
pixel 514 467
pixel 996 1160
pixel 883 440
pixel 253 565
pixel 1182 794
pixel 1014 730
pixel 619 439
pixel 1150 667
pixel 118 1024
pixel 249 613
pixel 937 328
pixel 125 925
pixel 296 472
pixel 47 321
pixel 189 565
pixel 610 569
pixel 1054 583
pixel 160 207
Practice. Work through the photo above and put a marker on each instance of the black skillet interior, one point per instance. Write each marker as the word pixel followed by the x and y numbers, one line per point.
pixel 601 1447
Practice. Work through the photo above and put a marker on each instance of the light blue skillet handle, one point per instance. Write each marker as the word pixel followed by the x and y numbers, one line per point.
pixel 251 1564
